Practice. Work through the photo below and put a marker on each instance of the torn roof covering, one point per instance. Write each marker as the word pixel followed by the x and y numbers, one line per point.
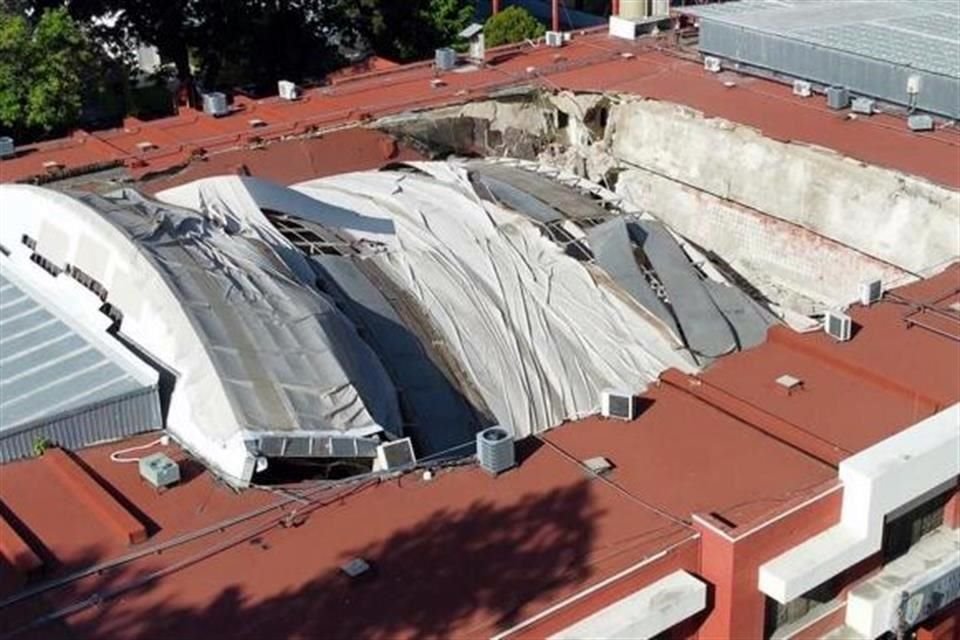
pixel 288 358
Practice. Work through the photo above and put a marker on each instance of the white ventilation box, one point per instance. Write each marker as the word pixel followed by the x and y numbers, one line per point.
pixel 159 470
pixel 495 450
pixel 554 39
pixel 288 90
pixel 802 88
pixel 712 64
pixel 866 106
pixel 838 326
pixel 619 405
pixel 914 84
pixel 871 292
pixel 395 455
pixel 215 104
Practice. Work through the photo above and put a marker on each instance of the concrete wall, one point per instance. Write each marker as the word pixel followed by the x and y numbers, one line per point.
pixel 897 218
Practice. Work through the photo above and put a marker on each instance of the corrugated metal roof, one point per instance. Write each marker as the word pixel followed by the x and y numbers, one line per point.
pixel 923 34
pixel 48 367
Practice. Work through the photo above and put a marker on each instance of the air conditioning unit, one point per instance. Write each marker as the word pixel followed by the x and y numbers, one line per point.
pixel 288 90
pixel 445 59
pixel 215 104
pixel 802 88
pixel 619 405
pixel 397 454
pixel 837 325
pixel 920 123
pixel 7 147
pixel 159 470
pixel 871 292
pixel 712 64
pixel 866 106
pixel 495 450
pixel 838 98
pixel 554 39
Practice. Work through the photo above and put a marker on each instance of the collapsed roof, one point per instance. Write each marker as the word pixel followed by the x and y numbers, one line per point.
pixel 427 300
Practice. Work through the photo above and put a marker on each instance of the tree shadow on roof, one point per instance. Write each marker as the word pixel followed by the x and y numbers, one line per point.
pixel 455 573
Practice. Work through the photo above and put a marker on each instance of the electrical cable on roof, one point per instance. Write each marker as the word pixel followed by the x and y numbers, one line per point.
pixel 116 455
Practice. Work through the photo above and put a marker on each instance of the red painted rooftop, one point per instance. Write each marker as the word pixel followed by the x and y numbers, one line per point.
pixel 464 554
pixel 590 62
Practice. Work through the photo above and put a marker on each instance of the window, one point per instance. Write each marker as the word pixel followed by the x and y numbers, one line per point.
pixel 77 274
pixel 904 531
pixel 28 242
pixel 779 615
pixel 45 264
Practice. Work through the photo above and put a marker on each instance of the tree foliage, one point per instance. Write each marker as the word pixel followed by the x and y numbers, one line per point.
pixel 513 24
pixel 42 67
pixel 402 31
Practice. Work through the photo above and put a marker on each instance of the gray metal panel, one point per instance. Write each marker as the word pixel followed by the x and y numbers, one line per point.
pixel 704 328
pixel 746 317
pixel 113 419
pixel 566 200
pixel 871 48
pixel 613 252
pixel 514 198
pixel 46 368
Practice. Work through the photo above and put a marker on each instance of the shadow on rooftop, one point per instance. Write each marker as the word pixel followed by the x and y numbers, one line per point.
pixel 449 575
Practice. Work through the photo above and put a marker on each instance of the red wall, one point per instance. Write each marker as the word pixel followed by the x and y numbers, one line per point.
pixel 683 557
pixel 732 563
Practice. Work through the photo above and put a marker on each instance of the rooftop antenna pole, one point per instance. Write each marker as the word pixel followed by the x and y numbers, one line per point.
pixel 615 7
pixel 494 7
pixel 555 13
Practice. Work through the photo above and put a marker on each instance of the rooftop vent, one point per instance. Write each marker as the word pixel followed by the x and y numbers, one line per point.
pixel 712 64
pixel 445 59
pixel 52 165
pixel 159 470
pixel 619 405
pixel 789 384
pixel 495 450
pixel 802 88
pixel 837 325
pixel 7 147
pixel 395 455
pixel 145 146
pixel 553 39
pixel 598 466
pixel 355 567
pixel 838 98
pixel 215 104
pixel 288 90
pixel 256 123
pixel 871 292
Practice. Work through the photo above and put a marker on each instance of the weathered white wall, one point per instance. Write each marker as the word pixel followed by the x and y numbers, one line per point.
pixel 900 219
pixel 790 265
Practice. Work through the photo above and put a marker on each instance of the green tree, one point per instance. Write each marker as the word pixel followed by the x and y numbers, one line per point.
pixel 41 71
pixel 513 24
pixel 402 31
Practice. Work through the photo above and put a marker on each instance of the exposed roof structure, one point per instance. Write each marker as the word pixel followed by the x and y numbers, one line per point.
pixel 64 378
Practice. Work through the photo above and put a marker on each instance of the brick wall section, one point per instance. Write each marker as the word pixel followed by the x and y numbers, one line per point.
pixel 99 501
